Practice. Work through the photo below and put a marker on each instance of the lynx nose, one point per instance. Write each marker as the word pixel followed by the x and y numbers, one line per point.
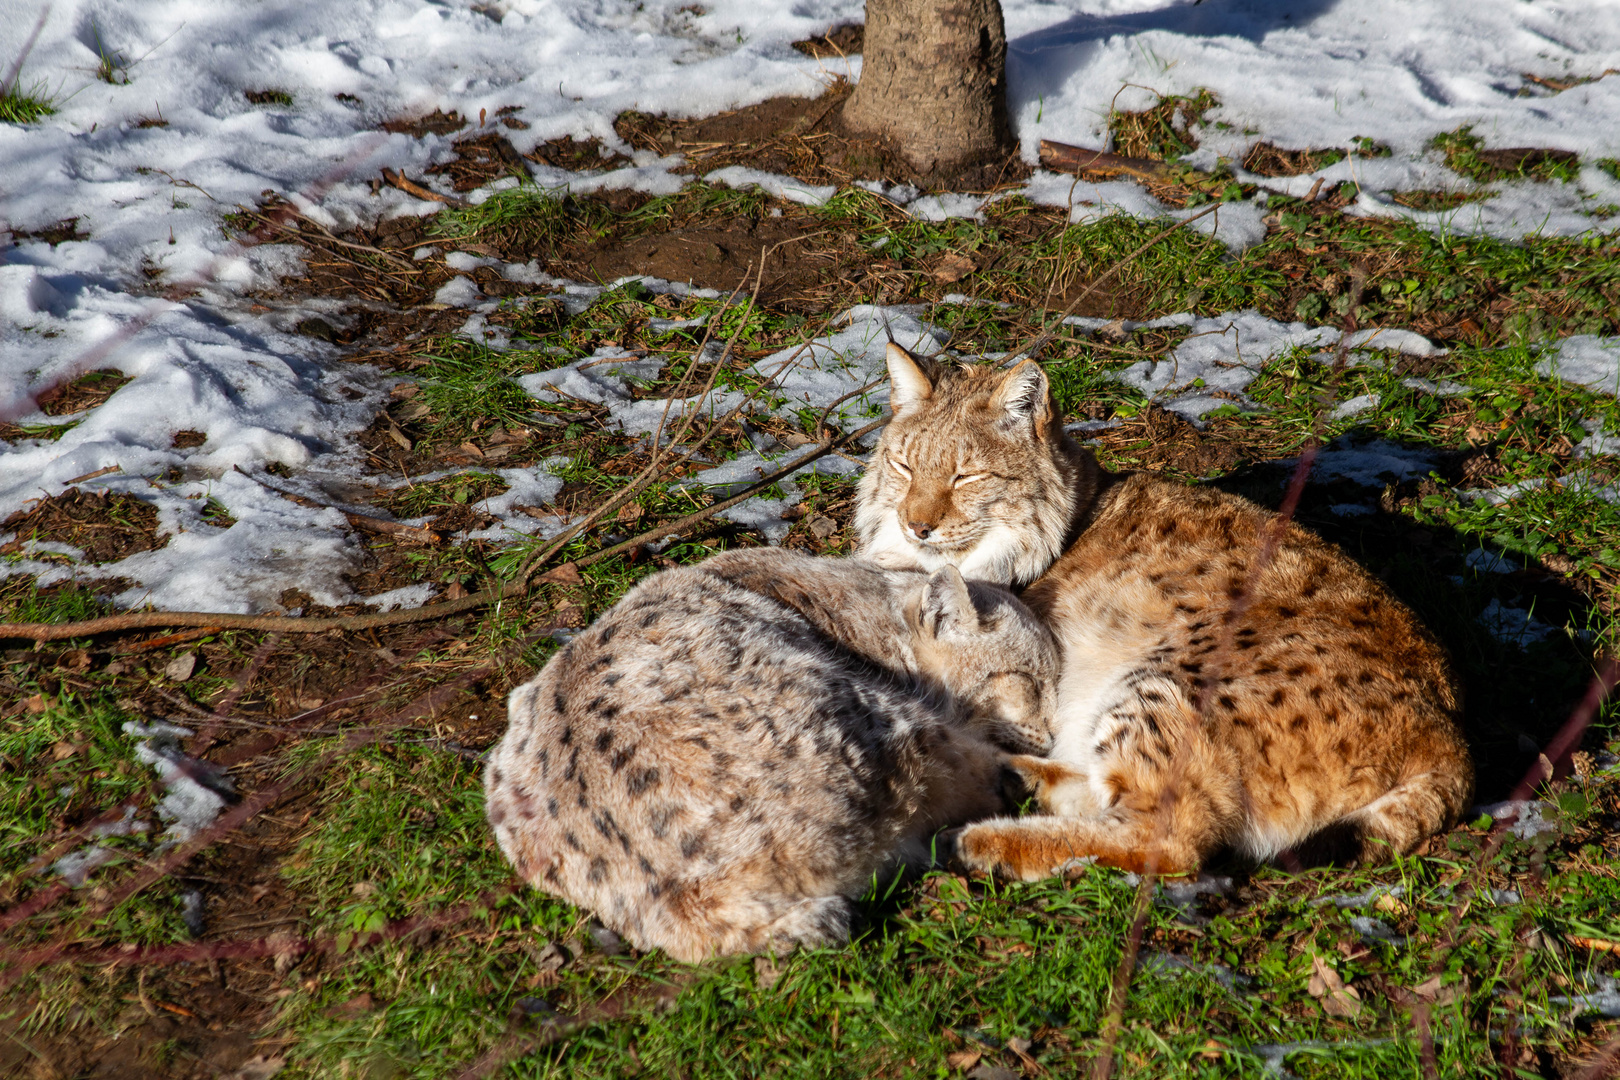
pixel 920 529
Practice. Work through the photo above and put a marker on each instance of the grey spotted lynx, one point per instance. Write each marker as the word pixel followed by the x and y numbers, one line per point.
pixel 736 747
pixel 1227 681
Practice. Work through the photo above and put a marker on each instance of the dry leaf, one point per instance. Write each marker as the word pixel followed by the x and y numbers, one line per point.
pixel 964 1059
pixel 1337 998
pixel 1022 1048
pixel 630 512
pixel 551 958
pixel 399 437
pixel 1393 905
pixel 38 703
pixel 954 267
pixel 455 591
pixel 1431 990
pixel 469 448
pixel 75 660
pixel 355 1006
pixel 181 667
pixel 62 750
pixel 766 972
pixel 566 574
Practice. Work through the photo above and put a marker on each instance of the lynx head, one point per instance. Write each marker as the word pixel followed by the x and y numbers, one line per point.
pixel 973 471
pixel 989 651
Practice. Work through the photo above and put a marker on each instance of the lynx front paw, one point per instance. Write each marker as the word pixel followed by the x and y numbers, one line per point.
pixel 1000 848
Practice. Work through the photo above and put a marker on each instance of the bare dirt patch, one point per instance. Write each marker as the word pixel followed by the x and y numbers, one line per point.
pixel 799 137
pixel 1264 159
pixel 846 39
pixel 480 160
pixel 437 122
pixel 85 392
pixel 59 233
pixel 105 526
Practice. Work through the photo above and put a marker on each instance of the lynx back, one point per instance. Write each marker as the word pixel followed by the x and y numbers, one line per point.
pixel 735 748
pixel 1228 680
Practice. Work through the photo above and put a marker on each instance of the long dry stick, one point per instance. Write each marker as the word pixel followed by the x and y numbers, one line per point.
pixel 512 589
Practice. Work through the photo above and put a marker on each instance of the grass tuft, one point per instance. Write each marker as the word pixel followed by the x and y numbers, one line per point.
pixel 19 106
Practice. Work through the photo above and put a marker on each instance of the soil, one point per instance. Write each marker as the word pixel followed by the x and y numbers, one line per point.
pixel 1264 159
pixel 801 137
pixel 105 526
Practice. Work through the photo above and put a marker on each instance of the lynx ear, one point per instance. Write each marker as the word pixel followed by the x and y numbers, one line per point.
pixel 908 385
pixel 946 603
pixel 1024 396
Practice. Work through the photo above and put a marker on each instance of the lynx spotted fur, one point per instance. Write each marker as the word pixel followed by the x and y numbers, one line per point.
pixel 736 747
pixel 1227 681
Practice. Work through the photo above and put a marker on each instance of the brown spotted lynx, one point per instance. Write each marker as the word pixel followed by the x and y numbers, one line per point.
pixel 1227 682
pixel 735 748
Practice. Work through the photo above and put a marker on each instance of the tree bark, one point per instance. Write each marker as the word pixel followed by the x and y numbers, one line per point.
pixel 934 81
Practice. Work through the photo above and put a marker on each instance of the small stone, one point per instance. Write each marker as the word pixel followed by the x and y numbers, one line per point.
pixel 318 328
pixel 192 913
pixel 533 1006
pixel 987 1071
pixel 609 943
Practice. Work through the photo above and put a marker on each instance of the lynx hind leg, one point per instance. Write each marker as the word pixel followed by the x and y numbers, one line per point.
pixel 1408 814
pixel 747 925
pixel 809 924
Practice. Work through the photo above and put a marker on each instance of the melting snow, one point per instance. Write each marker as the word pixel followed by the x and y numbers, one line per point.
pixel 150 198
pixel 197 790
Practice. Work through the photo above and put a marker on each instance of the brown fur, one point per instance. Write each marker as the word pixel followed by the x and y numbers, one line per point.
pixel 736 747
pixel 1226 683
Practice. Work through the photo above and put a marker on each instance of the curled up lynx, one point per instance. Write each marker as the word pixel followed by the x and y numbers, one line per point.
pixel 1227 681
pixel 735 748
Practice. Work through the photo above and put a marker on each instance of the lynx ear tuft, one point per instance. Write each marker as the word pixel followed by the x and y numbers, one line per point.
pixel 1024 395
pixel 947 604
pixel 908 384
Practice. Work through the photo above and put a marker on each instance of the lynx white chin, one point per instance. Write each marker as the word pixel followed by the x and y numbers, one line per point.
pixel 1000 557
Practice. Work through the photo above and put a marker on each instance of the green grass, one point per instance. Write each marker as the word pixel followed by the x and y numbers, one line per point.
pixel 948 966
pixel 1462 151
pixel 416 499
pixel 22 601
pixel 19 106
pixel 90 770
pixel 935 969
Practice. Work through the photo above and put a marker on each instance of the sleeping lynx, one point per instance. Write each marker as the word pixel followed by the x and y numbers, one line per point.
pixel 736 747
pixel 1227 681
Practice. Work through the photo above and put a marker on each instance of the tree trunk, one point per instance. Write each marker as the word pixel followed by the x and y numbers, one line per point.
pixel 934 80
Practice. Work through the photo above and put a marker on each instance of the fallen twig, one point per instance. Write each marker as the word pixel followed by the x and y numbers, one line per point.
pixel 412 188
pixel 1061 157
pixel 517 587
